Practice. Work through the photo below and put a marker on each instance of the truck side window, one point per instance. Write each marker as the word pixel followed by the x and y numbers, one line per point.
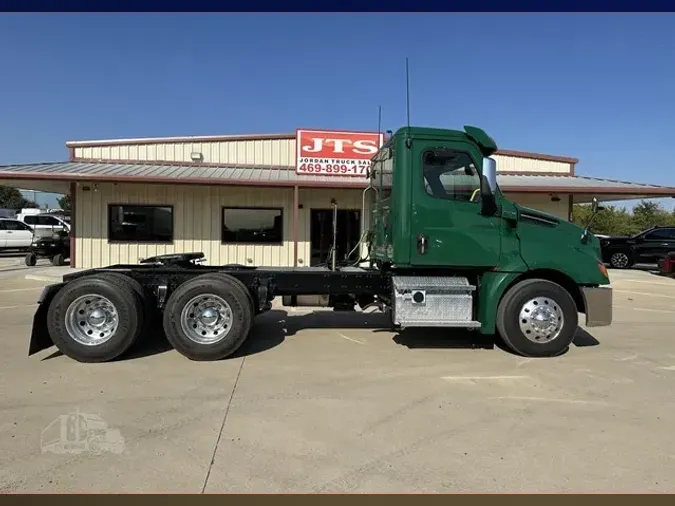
pixel 451 175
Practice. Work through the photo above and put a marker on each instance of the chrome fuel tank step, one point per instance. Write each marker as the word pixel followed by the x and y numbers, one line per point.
pixel 431 301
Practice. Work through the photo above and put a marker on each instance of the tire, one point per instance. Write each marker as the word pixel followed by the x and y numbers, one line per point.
pixel 62 319
pixel 620 260
pixel 243 289
pixel 31 260
pixel 58 260
pixel 147 312
pixel 521 334
pixel 191 337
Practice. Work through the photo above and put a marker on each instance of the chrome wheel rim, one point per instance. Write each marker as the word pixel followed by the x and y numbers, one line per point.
pixel 619 260
pixel 541 320
pixel 206 319
pixel 91 320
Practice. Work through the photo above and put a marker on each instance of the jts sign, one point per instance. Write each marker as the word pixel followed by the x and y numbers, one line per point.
pixel 336 153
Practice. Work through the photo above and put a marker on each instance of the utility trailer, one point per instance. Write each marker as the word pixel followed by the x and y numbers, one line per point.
pixel 445 249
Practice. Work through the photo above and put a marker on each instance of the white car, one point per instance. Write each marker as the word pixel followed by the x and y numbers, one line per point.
pixel 15 234
pixel 44 222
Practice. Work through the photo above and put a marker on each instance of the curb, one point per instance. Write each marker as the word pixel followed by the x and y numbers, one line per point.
pixel 45 279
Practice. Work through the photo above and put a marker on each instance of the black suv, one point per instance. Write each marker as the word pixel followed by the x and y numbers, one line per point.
pixel 649 246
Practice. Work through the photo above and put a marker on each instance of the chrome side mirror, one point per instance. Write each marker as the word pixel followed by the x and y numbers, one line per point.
pixel 488 195
pixel 595 208
pixel 490 173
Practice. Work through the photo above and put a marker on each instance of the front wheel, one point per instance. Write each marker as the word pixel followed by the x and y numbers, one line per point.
pixel 537 318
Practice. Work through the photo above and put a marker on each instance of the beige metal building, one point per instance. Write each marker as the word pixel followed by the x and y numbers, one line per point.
pixel 239 199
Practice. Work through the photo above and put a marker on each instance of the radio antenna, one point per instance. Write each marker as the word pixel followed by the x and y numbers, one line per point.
pixel 407 92
pixel 379 120
pixel 408 140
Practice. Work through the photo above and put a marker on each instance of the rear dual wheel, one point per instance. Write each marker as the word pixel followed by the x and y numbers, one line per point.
pixel 208 317
pixel 97 318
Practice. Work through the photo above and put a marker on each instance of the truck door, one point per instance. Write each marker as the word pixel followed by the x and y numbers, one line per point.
pixel 447 226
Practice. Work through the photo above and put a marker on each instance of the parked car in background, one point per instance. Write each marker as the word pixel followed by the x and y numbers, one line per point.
pixel 45 221
pixel 648 246
pixel 15 235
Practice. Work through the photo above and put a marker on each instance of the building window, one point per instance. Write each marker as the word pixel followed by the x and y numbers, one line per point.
pixel 252 225
pixel 134 223
pixel 450 174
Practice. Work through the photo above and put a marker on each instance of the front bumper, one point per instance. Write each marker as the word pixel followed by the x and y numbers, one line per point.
pixel 598 303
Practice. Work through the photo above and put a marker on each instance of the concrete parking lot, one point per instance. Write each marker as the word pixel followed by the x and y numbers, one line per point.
pixel 326 402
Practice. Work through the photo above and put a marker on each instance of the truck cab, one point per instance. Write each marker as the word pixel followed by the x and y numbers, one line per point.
pixel 437 210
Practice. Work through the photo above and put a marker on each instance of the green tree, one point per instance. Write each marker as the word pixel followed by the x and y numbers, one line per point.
pixel 11 198
pixel 650 214
pixel 619 221
pixel 64 202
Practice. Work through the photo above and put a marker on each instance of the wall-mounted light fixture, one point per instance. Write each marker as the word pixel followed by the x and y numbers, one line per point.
pixel 555 198
pixel 196 157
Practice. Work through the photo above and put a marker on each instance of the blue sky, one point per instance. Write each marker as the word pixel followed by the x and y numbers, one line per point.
pixel 597 87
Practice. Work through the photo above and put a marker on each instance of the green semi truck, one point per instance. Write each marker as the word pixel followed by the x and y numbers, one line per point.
pixel 445 249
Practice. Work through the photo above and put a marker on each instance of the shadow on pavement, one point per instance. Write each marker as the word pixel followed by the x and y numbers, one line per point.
pixel 266 333
pixel 56 354
pixel 583 339
pixel 439 338
pixel 380 322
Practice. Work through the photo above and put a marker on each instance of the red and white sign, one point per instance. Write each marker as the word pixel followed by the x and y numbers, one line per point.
pixel 336 153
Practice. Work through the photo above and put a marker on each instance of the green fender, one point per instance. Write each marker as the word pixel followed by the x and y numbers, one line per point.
pixel 492 287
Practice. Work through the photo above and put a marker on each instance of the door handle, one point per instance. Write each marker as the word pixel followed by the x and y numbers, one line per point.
pixel 422 244
pixel 10 232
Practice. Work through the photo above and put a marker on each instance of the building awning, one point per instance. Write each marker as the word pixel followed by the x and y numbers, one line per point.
pixel 202 174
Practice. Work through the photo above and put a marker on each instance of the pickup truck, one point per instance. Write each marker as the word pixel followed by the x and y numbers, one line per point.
pixel 648 247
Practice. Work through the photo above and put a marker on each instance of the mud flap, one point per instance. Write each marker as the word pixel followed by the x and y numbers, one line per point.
pixel 40 338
